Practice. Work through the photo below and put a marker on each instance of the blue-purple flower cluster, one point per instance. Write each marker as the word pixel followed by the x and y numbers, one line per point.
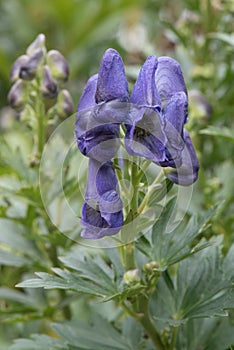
pixel 153 117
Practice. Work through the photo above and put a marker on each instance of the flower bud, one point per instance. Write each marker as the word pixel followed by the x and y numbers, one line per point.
pixel 38 43
pixel 15 70
pixel 17 96
pixel 151 267
pixel 58 65
pixel 49 88
pixel 64 105
pixel 132 276
pixel 28 70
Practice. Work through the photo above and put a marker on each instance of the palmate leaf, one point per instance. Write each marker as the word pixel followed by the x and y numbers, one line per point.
pixel 84 274
pixel 15 247
pixel 167 248
pixel 202 287
pixel 209 334
pixel 98 334
pixel 39 342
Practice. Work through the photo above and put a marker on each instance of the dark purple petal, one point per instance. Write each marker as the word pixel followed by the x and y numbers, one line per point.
pixel 187 173
pixel 100 143
pixel 95 226
pixel 112 83
pixel 112 112
pixel 145 136
pixel 87 99
pixel 102 211
pixel 169 78
pixel 175 114
pixel 145 92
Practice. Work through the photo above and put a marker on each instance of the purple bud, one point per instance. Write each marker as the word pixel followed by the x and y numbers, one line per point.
pixel 65 105
pixel 49 88
pixel 29 69
pixel 38 43
pixel 58 65
pixel 15 70
pixel 17 96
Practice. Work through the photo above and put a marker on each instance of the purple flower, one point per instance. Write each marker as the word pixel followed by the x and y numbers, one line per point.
pixel 102 107
pixel 159 110
pixel 144 135
pixel 102 211
pixel 187 173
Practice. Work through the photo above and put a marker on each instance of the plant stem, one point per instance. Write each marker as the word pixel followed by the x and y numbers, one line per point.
pixel 40 115
pixel 146 198
pixel 173 338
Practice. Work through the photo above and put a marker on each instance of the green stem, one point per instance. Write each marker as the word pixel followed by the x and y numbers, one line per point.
pixel 173 338
pixel 147 323
pixel 146 198
pixel 129 258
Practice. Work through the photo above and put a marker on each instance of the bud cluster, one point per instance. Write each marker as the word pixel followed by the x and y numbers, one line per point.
pixel 40 74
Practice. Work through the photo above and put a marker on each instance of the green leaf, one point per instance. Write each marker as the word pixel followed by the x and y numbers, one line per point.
pixel 101 335
pixel 223 132
pixel 201 287
pixel 39 342
pixel 209 334
pixel 10 259
pixel 170 247
pixel 86 274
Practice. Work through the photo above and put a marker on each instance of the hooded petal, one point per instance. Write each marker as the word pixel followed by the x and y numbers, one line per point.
pixel 87 99
pixel 145 92
pixel 169 78
pixel 174 114
pixel 144 136
pixel 187 173
pixel 112 83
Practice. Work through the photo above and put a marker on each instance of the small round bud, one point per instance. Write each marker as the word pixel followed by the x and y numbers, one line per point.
pixel 58 65
pixel 15 70
pixel 38 43
pixel 17 96
pixel 49 88
pixel 132 276
pixel 28 70
pixel 151 266
pixel 65 106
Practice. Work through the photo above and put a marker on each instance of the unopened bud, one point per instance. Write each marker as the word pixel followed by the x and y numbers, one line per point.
pixel 151 266
pixel 65 106
pixel 132 276
pixel 15 70
pixel 28 70
pixel 17 96
pixel 49 88
pixel 38 43
pixel 58 65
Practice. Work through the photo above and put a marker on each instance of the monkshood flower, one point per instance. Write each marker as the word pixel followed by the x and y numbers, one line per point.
pixel 158 113
pixel 102 107
pixel 102 211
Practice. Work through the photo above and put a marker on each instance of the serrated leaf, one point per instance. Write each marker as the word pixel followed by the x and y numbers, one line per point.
pixel 209 334
pixel 200 289
pixel 39 342
pixel 99 336
pixel 170 247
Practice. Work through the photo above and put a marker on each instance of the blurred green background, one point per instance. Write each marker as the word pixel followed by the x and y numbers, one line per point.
pixel 198 33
